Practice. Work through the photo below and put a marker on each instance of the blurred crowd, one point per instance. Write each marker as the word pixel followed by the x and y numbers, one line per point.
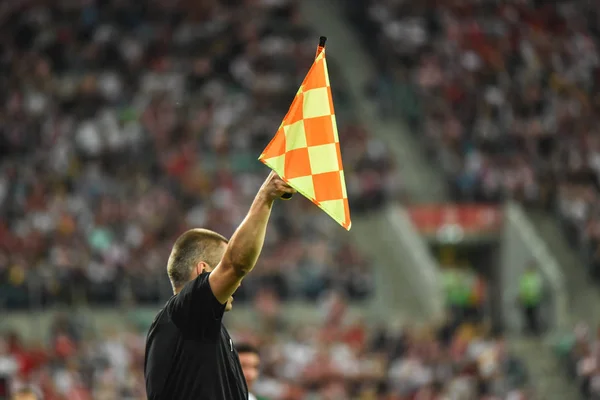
pixel 580 354
pixel 124 123
pixel 504 94
pixel 339 358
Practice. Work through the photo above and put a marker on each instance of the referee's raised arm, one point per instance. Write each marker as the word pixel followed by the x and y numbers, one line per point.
pixel 246 243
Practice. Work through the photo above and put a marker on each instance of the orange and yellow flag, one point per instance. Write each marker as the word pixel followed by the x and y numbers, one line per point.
pixel 305 151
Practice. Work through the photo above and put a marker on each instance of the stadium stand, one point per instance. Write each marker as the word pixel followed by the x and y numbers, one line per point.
pixel 123 125
pixel 505 96
pixel 342 358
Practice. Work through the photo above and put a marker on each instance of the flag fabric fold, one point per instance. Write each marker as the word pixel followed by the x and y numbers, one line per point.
pixel 305 151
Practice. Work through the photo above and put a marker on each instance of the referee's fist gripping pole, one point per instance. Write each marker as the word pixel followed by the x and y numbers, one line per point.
pixel 274 187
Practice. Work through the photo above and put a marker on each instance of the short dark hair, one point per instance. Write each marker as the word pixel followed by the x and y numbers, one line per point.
pixel 245 348
pixel 191 247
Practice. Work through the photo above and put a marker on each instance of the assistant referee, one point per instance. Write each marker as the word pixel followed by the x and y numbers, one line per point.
pixel 189 353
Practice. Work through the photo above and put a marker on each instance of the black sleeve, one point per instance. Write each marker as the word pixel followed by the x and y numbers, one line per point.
pixel 195 309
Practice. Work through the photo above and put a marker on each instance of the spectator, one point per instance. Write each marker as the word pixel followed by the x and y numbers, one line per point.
pixel 9 367
pixel 250 361
pixel 579 352
pixel 26 394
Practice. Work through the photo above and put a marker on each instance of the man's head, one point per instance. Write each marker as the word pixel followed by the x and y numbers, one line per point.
pixel 195 252
pixel 250 361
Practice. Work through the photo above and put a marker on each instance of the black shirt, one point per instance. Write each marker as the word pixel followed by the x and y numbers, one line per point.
pixel 189 354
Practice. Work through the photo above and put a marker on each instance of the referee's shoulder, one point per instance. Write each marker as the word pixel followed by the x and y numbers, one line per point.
pixel 161 318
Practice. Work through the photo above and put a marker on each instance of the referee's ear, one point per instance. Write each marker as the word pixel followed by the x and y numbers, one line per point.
pixel 201 267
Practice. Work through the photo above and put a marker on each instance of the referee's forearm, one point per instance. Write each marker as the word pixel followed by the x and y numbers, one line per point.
pixel 246 243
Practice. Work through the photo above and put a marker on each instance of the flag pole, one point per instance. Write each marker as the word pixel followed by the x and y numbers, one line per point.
pixel 322 41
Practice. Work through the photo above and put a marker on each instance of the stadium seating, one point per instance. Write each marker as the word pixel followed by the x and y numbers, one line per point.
pixel 123 125
pixel 505 96
pixel 340 358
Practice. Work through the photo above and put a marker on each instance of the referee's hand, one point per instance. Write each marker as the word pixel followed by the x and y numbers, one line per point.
pixel 274 187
